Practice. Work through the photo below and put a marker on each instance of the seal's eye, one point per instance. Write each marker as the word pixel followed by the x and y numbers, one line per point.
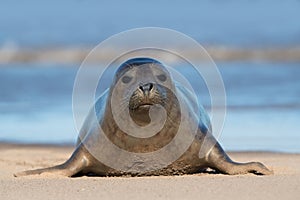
pixel 162 77
pixel 126 79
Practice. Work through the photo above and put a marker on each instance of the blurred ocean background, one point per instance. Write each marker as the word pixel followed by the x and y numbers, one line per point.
pixel 262 83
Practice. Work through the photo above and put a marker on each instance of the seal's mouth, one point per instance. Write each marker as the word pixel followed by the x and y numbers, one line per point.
pixel 145 105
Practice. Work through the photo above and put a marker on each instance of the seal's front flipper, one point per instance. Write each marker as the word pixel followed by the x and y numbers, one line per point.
pixel 71 167
pixel 61 170
pixel 220 161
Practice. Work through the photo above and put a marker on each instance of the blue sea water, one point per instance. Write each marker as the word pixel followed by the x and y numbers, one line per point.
pixel 263 104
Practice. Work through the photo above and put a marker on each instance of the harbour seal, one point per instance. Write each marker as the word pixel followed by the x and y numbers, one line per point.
pixel 144 89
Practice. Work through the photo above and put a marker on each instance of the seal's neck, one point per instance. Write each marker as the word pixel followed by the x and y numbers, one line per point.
pixel 141 116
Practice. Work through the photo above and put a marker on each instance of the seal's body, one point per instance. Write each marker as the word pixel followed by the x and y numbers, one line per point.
pixel 147 100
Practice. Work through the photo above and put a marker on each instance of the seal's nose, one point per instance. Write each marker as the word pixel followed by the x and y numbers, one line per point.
pixel 146 88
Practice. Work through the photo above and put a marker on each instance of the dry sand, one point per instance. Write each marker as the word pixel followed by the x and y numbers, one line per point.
pixel 284 184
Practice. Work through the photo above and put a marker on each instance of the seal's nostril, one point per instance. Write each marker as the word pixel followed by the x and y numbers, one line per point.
pixel 141 88
pixel 150 86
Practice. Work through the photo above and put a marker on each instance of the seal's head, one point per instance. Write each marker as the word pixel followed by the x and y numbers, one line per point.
pixel 142 112
pixel 142 85
pixel 146 81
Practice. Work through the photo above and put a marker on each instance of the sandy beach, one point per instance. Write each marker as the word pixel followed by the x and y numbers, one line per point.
pixel 284 184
